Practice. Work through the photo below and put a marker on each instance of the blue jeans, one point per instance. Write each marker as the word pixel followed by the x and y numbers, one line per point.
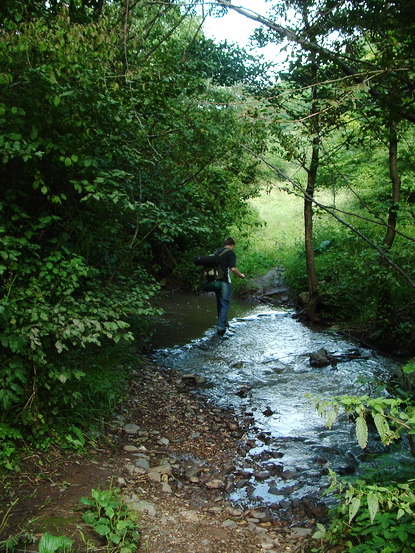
pixel 223 302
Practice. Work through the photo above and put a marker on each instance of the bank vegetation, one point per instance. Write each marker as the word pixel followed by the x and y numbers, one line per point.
pixel 131 143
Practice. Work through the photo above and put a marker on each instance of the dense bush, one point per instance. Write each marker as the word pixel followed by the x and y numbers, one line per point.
pixel 112 152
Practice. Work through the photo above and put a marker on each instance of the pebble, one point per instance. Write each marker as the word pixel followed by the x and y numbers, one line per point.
pixel 190 515
pixel 215 484
pixel 194 480
pixel 166 488
pixel 141 506
pixel 143 463
pixel 131 428
pixel 130 448
pixel 229 524
pixel 165 468
pixel 299 532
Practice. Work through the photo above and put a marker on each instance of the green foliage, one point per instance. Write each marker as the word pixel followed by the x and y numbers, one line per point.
pixel 372 515
pixel 110 158
pixel 47 543
pixel 9 438
pixel 392 417
pixel 50 544
pixel 111 519
pixel 371 518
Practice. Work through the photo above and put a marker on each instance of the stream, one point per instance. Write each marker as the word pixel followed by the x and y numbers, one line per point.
pixel 261 370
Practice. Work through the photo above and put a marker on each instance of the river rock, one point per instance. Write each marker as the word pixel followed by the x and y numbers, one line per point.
pixel 262 475
pixel 319 358
pixel 194 380
pixel 163 468
pixel 166 488
pixel 135 504
pixel 215 484
pixel 301 532
pixel 130 448
pixel 259 515
pixel 289 474
pixel 243 391
pixel 143 463
pixel 229 524
pixel 241 483
pixel 131 428
pixel 191 516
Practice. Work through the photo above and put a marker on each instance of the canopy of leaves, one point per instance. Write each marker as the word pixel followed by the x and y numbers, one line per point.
pixel 113 146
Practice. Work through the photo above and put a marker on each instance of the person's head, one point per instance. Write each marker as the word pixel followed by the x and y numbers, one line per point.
pixel 229 242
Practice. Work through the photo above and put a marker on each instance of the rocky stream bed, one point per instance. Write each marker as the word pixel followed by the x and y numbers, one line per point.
pixel 176 459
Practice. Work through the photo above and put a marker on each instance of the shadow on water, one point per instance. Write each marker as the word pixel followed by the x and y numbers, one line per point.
pixel 186 317
pixel 266 354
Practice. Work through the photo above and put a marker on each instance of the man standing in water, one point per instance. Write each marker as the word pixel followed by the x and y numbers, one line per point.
pixel 223 295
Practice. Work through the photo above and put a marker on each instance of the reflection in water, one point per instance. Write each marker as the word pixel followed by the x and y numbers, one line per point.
pixel 187 317
pixel 267 351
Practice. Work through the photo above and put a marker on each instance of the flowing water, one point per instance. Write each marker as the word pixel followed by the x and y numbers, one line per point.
pixel 265 358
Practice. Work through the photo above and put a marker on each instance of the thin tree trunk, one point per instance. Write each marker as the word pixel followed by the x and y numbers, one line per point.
pixel 308 201
pixel 308 233
pixel 396 187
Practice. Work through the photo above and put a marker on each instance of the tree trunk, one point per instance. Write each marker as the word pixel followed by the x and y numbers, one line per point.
pixel 396 187
pixel 308 200
pixel 308 233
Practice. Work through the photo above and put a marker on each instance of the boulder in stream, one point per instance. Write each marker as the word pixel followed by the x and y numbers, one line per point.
pixel 319 358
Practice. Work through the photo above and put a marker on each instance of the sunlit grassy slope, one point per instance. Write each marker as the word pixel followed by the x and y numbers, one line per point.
pixel 282 216
pixel 279 241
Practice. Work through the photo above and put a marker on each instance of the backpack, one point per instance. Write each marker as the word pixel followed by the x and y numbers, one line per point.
pixel 211 266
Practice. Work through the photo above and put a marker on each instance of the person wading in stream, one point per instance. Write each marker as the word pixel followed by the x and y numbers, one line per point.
pixel 223 295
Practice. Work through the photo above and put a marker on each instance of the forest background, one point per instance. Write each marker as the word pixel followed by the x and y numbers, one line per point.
pixel 131 143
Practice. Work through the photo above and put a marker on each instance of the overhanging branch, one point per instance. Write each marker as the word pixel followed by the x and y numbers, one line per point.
pixel 296 186
pixel 313 47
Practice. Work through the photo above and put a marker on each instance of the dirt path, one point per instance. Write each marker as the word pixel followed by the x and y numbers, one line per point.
pixel 175 460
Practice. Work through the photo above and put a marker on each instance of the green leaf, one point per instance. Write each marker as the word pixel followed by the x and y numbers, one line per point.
pixel 361 432
pixel 373 505
pixel 115 538
pixel 382 427
pixel 353 508
pixel 86 501
pixel 102 529
pixel 49 544
pixel 409 368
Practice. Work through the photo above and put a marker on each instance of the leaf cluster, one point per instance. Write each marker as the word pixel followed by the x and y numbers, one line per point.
pixel 114 152
pixel 371 518
pixel 110 518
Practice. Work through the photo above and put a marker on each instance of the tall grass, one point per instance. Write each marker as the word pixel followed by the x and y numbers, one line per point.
pixel 282 216
pixel 278 239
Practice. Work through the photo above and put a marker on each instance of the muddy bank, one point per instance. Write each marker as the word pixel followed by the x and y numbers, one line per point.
pixel 185 508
